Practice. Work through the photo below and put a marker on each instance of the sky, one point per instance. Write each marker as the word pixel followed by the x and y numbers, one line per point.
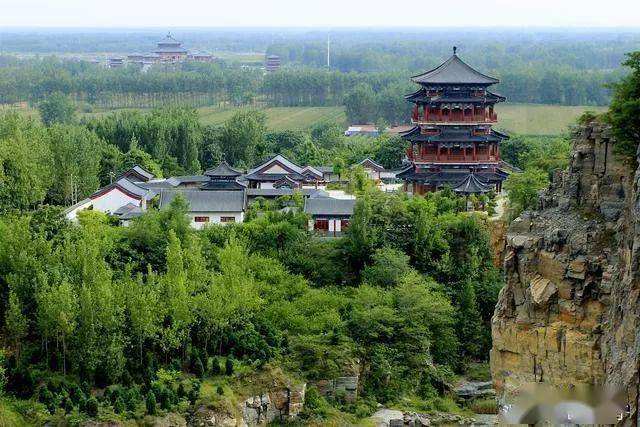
pixel 319 13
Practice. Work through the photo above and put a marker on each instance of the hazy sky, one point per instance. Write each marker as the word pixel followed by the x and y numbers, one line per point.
pixel 318 13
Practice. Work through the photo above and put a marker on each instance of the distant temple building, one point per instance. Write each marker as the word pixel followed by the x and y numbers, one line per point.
pixel 170 49
pixel 272 63
pixel 452 142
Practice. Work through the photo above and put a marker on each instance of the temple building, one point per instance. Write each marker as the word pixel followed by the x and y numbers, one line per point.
pixel 452 140
pixel 170 49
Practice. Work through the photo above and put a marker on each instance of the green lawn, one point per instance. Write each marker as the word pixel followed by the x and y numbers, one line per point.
pixel 539 119
pixel 280 118
pixel 529 119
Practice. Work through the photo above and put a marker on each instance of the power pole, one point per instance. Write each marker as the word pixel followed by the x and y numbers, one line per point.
pixel 328 51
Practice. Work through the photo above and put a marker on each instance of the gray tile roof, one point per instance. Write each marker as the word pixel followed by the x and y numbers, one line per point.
pixel 453 71
pixel 280 158
pixel 206 201
pixel 143 172
pixel 368 162
pixel 223 170
pixel 276 192
pixel 128 211
pixel 319 206
pixel 472 185
pixel 128 186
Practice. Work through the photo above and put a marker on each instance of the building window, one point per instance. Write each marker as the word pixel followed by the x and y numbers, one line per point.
pixel 322 224
pixel 201 219
pixel 344 224
pixel 227 219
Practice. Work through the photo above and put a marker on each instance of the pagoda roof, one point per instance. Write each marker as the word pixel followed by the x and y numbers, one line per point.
pixel 169 40
pixel 421 96
pixel 223 170
pixel 453 175
pixel 454 71
pixel 471 184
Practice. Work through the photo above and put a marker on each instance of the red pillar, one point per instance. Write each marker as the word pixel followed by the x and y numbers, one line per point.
pixel 438 152
pixel 475 157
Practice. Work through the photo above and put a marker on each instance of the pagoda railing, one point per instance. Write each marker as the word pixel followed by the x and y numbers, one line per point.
pixel 487 118
pixel 457 158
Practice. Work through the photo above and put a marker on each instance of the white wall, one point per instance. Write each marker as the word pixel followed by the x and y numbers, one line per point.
pixel 72 215
pixel 113 200
pixel 266 185
pixel 214 218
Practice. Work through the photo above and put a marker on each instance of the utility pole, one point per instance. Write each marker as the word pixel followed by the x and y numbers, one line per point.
pixel 328 51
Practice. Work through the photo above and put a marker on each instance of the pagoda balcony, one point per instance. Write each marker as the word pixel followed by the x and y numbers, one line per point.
pixel 453 158
pixel 480 119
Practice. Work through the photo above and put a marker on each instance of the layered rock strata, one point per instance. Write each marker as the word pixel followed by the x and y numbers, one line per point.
pixel 570 309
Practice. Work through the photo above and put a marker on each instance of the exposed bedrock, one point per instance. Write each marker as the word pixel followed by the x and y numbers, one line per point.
pixel 569 312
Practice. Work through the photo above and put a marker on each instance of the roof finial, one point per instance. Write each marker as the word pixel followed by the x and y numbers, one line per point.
pixel 455 48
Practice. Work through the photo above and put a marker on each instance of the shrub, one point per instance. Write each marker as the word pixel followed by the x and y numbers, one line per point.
pixel 166 398
pixel 151 403
pixel 215 367
pixel 220 390
pixel 200 371
pixel 91 408
pixel 228 366
pixel 119 406
pixel 484 406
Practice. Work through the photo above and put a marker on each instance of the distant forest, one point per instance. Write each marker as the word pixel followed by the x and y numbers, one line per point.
pixel 571 67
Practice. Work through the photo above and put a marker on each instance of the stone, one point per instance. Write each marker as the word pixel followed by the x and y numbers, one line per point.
pixel 583 246
pixel 577 269
pixel 474 389
pixel 542 290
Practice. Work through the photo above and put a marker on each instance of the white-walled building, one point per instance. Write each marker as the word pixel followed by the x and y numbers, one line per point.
pixel 113 197
pixel 208 207
pixel 329 216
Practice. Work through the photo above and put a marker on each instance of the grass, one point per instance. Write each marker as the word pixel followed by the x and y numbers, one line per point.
pixel 525 119
pixel 280 118
pixel 484 406
pixel 539 119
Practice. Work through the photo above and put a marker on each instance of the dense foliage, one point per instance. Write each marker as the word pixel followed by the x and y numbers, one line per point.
pixel 141 312
pixel 624 114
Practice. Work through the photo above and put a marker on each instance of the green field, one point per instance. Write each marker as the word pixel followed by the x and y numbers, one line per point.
pixel 539 119
pixel 528 119
pixel 280 118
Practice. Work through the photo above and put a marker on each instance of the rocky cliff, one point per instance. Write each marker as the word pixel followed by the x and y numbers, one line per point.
pixel 570 309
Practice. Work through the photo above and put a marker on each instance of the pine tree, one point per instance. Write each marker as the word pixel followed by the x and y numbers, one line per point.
pixel 151 403
pixel 228 366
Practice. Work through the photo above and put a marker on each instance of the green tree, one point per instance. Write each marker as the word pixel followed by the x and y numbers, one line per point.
pixel 360 105
pixel 389 266
pixel 25 163
pixel 150 403
pixel 624 112
pixel 57 108
pixel 242 138
pixel 58 311
pixel 16 323
pixel 523 189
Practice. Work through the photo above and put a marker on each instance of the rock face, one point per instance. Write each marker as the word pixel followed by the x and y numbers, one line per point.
pixel 569 312
pixel 279 405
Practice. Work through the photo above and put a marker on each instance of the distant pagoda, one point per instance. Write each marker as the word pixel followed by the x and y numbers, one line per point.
pixel 170 49
pixel 452 142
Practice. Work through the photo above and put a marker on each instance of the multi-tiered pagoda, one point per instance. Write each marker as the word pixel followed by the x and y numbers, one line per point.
pixel 452 142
